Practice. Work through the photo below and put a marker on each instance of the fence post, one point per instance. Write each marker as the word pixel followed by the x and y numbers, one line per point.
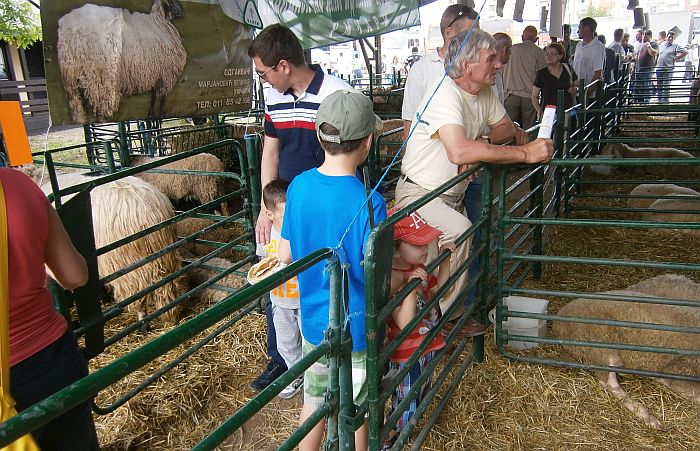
pixel 536 187
pixel 484 258
pixel 346 415
pixel 107 147
pixel 253 173
pixel 333 334
pixel 559 131
pixel 600 104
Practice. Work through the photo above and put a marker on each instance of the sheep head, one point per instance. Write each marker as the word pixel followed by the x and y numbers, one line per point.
pixel 171 9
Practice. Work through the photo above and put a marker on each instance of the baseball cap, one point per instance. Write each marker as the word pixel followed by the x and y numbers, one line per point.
pixel 351 112
pixel 414 229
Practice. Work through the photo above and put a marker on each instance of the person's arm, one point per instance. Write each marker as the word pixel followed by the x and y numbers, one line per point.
pixel 64 262
pixel 284 251
pixel 461 150
pixel 502 131
pixel 681 54
pixel 269 170
pixel 652 51
pixel 535 98
pixel 407 310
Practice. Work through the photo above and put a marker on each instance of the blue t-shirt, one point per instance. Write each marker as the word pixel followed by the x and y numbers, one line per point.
pixel 319 209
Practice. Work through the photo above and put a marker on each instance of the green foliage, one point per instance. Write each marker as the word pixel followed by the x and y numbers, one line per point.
pixel 19 23
pixel 593 11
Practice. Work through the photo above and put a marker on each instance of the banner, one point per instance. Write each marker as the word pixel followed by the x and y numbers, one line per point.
pixel 136 59
pixel 319 23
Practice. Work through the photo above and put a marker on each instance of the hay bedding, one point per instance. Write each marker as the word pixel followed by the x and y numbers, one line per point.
pixel 498 405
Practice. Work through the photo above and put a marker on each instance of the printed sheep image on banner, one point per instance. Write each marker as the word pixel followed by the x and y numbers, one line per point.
pixel 106 53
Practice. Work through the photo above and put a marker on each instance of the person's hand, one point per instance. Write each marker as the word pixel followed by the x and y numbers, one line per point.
pixel 521 136
pixel 263 227
pixel 539 151
pixel 418 273
pixel 449 245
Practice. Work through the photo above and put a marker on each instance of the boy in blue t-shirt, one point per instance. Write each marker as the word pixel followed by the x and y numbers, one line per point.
pixel 321 204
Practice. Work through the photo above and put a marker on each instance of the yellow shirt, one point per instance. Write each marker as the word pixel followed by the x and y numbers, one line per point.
pixel 425 161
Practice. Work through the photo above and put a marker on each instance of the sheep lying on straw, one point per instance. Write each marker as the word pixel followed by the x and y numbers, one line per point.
pixel 621 150
pixel 667 286
pixel 652 189
pixel 200 188
pixel 120 209
pixel 105 53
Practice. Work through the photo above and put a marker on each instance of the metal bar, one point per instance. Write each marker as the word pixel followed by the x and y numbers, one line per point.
pixel 604 261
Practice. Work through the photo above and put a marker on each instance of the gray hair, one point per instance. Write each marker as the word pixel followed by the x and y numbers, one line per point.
pixel 478 40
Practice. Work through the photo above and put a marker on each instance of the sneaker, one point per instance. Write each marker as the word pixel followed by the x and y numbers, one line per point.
pixel 292 389
pixel 272 372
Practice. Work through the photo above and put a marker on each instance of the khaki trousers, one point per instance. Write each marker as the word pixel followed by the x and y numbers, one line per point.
pixel 445 214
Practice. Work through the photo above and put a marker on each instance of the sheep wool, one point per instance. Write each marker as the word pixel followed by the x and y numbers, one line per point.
pixel 672 286
pixel 105 53
pixel 653 189
pixel 120 209
pixel 200 188
pixel 683 172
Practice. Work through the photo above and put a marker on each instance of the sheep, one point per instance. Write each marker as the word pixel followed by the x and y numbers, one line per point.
pixel 667 286
pixel 651 189
pixel 394 138
pixel 122 208
pixel 621 150
pixel 212 294
pixel 105 53
pixel 223 234
pixel 201 188
pixel 689 204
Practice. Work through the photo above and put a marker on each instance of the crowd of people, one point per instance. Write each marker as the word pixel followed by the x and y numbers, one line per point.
pixel 467 101
pixel 318 130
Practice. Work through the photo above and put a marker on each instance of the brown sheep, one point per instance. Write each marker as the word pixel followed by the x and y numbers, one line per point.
pixel 671 286
pixel 223 234
pixel 201 188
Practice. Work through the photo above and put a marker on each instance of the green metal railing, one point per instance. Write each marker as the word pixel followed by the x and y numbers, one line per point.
pixel 336 344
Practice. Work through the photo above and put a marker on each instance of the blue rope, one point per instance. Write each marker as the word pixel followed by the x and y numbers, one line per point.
pixel 419 119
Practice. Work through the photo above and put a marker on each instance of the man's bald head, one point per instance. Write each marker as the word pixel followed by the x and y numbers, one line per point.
pixel 530 34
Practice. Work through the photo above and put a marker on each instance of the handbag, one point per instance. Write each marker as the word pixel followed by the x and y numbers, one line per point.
pixel 7 404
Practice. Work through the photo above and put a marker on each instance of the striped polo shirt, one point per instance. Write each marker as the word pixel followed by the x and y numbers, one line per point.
pixel 292 120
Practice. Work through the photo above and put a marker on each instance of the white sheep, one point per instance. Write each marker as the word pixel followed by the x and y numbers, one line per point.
pixel 670 286
pixel 105 53
pixel 120 209
pixel 688 205
pixel 621 150
pixel 200 188
pixel 656 190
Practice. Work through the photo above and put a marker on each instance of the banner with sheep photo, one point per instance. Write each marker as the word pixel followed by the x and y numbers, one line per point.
pixel 109 60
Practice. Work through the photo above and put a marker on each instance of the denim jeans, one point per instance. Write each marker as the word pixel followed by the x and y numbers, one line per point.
pixel 644 85
pixel 663 82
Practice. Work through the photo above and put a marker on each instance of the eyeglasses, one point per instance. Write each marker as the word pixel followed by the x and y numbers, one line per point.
pixel 263 75
pixel 459 16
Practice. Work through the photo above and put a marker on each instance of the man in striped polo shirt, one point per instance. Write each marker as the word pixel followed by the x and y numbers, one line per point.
pixel 291 146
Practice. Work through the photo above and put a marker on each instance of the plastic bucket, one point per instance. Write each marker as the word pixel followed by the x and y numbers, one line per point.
pixel 523 326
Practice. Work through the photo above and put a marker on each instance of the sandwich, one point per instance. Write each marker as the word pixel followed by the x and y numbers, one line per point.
pixel 267 266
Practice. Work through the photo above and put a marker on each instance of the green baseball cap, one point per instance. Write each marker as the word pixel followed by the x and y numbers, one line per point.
pixel 351 112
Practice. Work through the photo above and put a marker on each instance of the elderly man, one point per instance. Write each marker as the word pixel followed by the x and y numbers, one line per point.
pixel 455 18
pixel 519 75
pixel 589 58
pixel 447 139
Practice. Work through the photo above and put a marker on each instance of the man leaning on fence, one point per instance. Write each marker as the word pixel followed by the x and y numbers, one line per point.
pixel 447 140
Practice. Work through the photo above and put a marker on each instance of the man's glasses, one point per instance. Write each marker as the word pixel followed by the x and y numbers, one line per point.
pixel 263 75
